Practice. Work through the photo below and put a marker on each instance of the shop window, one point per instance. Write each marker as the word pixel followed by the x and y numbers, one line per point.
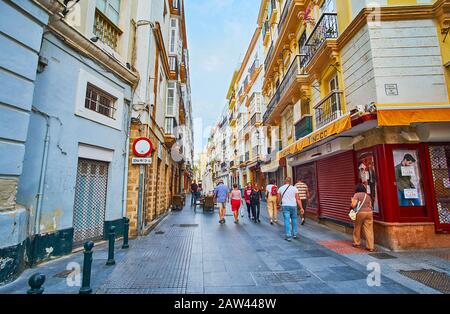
pixel 367 175
pixel 307 173
pixel 408 178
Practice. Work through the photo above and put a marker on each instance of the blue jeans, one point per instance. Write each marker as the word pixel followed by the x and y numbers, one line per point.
pixel 407 202
pixel 290 213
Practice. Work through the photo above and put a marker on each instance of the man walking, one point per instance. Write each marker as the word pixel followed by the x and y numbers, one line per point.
pixel 287 199
pixel 302 198
pixel 272 201
pixel 222 197
pixel 194 189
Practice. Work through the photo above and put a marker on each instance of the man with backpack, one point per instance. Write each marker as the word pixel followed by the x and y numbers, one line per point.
pixel 287 196
pixel 272 201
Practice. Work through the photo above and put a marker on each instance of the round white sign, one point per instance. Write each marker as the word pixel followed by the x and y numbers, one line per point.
pixel 142 147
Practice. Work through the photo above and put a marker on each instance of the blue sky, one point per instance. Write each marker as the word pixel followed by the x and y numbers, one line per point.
pixel 219 32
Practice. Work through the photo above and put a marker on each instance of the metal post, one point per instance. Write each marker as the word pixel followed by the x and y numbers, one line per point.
pixel 126 228
pixel 87 265
pixel 111 236
pixel 35 282
pixel 139 213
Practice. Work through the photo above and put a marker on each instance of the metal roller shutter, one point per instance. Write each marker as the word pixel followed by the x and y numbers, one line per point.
pixel 336 182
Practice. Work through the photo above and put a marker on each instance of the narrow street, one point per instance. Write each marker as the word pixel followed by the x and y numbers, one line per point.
pixel 189 252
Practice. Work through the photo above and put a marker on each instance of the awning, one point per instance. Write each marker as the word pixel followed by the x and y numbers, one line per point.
pixel 271 167
pixel 400 116
pixel 334 128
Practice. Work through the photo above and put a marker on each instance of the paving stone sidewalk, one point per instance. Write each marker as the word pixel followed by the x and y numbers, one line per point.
pixel 190 252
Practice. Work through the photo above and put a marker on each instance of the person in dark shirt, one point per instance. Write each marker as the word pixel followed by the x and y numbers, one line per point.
pixel 194 189
pixel 255 202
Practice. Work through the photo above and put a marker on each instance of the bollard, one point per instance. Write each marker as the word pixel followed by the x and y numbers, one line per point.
pixel 87 266
pixel 35 282
pixel 126 228
pixel 111 236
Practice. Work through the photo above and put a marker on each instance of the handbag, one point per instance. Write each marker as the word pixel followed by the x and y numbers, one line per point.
pixel 353 212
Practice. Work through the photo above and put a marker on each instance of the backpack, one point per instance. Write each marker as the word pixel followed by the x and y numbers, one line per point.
pixel 274 190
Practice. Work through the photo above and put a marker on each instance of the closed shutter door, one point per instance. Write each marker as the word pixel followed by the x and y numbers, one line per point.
pixel 336 181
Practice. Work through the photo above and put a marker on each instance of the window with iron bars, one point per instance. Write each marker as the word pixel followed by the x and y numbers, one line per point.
pixel 99 101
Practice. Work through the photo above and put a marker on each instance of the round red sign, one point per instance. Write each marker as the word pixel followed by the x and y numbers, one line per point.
pixel 142 147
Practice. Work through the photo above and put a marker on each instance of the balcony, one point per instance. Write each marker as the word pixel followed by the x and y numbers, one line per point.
pixel 169 130
pixel 295 72
pixel 173 67
pixel 328 109
pixel 255 119
pixel 284 15
pixel 273 12
pixel 268 57
pixel 326 28
pixel 303 127
pixel 265 32
pixel 232 118
pixel 253 69
pixel 247 156
pixel 255 152
pixel 106 30
pixel 246 81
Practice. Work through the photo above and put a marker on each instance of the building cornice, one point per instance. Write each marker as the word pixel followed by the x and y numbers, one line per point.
pixel 162 49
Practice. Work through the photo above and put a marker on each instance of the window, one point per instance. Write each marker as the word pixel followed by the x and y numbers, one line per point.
pixel 173 63
pixel 111 8
pixel 99 101
pixel 329 6
pixel 408 177
pixel 170 110
pixel 172 41
pixel 175 4
pixel 173 22
pixel 367 175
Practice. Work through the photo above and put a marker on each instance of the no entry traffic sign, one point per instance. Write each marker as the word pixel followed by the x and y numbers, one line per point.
pixel 142 147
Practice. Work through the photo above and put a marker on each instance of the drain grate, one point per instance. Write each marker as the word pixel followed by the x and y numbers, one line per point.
pixel 271 278
pixel 187 225
pixel 159 232
pixel 431 278
pixel 382 256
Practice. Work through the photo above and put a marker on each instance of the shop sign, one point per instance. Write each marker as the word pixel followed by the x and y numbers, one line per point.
pixel 408 172
pixel 411 194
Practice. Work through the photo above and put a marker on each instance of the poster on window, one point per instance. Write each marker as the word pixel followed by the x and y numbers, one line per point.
pixel 408 178
pixel 367 176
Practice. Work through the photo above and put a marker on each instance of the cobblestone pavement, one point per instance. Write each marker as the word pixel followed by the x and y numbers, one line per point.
pixel 190 252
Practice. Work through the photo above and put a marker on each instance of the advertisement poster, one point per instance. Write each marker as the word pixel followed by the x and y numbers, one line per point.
pixel 408 178
pixel 367 176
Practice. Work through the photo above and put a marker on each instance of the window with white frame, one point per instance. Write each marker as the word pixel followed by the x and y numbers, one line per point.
pixel 329 6
pixel 111 8
pixel 172 40
pixel 99 101
pixel 170 110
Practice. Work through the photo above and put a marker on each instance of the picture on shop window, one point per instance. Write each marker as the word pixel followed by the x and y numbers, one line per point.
pixel 368 177
pixel 408 178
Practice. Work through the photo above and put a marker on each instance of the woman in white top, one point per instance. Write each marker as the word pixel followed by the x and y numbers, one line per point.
pixel 288 200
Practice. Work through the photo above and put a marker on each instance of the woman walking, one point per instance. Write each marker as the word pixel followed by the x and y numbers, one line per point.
pixel 255 202
pixel 247 192
pixel 362 204
pixel 236 202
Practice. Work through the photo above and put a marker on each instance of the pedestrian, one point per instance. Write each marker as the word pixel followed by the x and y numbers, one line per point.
pixel 255 202
pixel 236 202
pixel 303 195
pixel 222 197
pixel 362 204
pixel 194 189
pixel 247 192
pixel 272 201
pixel 287 196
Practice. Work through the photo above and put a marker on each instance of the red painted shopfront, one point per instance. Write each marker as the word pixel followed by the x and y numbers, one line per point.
pixel 409 185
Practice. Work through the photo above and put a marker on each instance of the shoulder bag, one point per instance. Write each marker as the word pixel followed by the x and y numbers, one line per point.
pixel 353 212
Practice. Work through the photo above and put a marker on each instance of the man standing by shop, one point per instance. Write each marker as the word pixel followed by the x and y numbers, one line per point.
pixel 302 198
pixel 222 197
pixel 194 190
pixel 288 201
pixel 404 182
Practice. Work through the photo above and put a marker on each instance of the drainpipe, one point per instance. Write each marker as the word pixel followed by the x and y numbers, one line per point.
pixel 40 195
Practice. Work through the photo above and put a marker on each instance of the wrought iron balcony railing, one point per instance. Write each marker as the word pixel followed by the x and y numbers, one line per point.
pixel 303 127
pixel 268 56
pixel 328 109
pixel 288 79
pixel 256 118
pixel 284 14
pixel 106 30
pixel 254 66
pixel 326 27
